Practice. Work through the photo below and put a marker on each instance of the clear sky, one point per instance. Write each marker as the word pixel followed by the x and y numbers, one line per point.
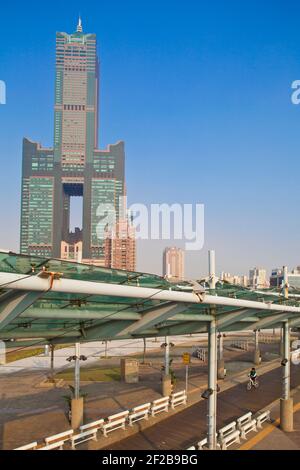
pixel 201 93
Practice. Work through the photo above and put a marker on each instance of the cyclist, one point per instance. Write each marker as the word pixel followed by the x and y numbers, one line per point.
pixel 253 375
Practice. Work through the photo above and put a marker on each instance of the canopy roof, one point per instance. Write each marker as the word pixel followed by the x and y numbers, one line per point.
pixel 54 301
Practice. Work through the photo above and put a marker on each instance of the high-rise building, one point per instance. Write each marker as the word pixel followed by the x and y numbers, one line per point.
pixel 277 278
pixel 74 167
pixel 258 278
pixel 234 279
pixel 120 246
pixel 173 264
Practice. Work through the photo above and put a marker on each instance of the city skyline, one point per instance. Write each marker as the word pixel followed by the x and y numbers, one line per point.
pixel 175 117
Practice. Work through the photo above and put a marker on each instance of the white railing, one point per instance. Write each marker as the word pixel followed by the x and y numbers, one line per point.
pixel 243 345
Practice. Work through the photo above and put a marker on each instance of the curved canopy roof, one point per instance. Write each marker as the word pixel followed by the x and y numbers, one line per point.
pixel 54 301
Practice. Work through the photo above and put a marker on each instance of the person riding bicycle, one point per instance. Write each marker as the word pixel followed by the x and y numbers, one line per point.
pixel 253 375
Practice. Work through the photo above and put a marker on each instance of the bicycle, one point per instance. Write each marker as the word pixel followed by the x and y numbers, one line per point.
pixel 252 383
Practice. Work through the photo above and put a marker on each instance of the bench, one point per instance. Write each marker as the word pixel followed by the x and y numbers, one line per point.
pixel 114 422
pixel 138 413
pixel 179 398
pixel 230 439
pixel 204 443
pixel 244 420
pixel 262 418
pixel 83 437
pixel 62 437
pixel 248 427
pixel 31 446
pixel 55 445
pixel 94 425
pixel 159 405
pixel 226 430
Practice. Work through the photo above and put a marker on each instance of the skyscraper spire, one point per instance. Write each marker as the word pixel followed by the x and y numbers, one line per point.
pixel 79 26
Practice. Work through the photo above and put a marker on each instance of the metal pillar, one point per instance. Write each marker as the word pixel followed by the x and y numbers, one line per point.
pixel 221 348
pixel 77 370
pixel 257 358
pixel 285 282
pixel 286 402
pixel 144 351
pixel 212 269
pixel 287 368
pixel 221 365
pixel 212 385
pixel 167 356
pixel 52 347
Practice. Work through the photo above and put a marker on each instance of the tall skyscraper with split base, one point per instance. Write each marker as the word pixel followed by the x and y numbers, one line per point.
pixel 74 166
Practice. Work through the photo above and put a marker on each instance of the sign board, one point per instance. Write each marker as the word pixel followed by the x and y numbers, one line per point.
pixel 186 358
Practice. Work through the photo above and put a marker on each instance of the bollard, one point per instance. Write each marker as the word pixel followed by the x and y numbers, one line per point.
pixel 166 385
pixel 286 415
pixel 77 412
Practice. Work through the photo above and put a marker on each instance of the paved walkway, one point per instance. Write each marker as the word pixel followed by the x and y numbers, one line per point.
pixel 272 437
pixel 184 429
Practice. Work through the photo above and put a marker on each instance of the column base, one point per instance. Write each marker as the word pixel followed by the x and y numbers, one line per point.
pixel 257 357
pixel 76 412
pixel 221 369
pixel 286 415
pixel 166 385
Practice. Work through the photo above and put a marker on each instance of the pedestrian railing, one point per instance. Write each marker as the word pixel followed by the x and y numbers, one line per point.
pixel 201 353
pixel 243 345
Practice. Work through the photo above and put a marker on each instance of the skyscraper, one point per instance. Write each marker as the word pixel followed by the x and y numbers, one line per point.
pixel 173 264
pixel 120 246
pixel 74 167
pixel 258 278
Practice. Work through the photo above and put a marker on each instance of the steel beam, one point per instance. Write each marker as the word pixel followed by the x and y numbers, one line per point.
pixel 153 317
pixel 36 283
pixel 13 303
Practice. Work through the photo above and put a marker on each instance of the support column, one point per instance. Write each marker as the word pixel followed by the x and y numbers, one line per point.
pixel 2 353
pixel 166 379
pixel 221 364
pixel 286 402
pixel 52 347
pixel 144 350
pixel 281 346
pixel 167 356
pixel 257 357
pixel 212 269
pixel 77 401
pixel 212 384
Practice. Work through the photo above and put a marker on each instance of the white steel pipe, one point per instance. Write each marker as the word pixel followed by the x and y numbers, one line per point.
pixel 212 386
pixel 212 269
pixel 287 368
pixel 77 370
pixel 167 356
pixel 39 284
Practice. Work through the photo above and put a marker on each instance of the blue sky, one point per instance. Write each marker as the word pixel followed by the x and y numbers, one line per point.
pixel 201 94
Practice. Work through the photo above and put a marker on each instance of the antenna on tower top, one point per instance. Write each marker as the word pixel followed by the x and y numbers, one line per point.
pixel 79 26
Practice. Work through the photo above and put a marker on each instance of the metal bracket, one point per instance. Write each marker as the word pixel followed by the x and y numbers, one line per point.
pixel 50 274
